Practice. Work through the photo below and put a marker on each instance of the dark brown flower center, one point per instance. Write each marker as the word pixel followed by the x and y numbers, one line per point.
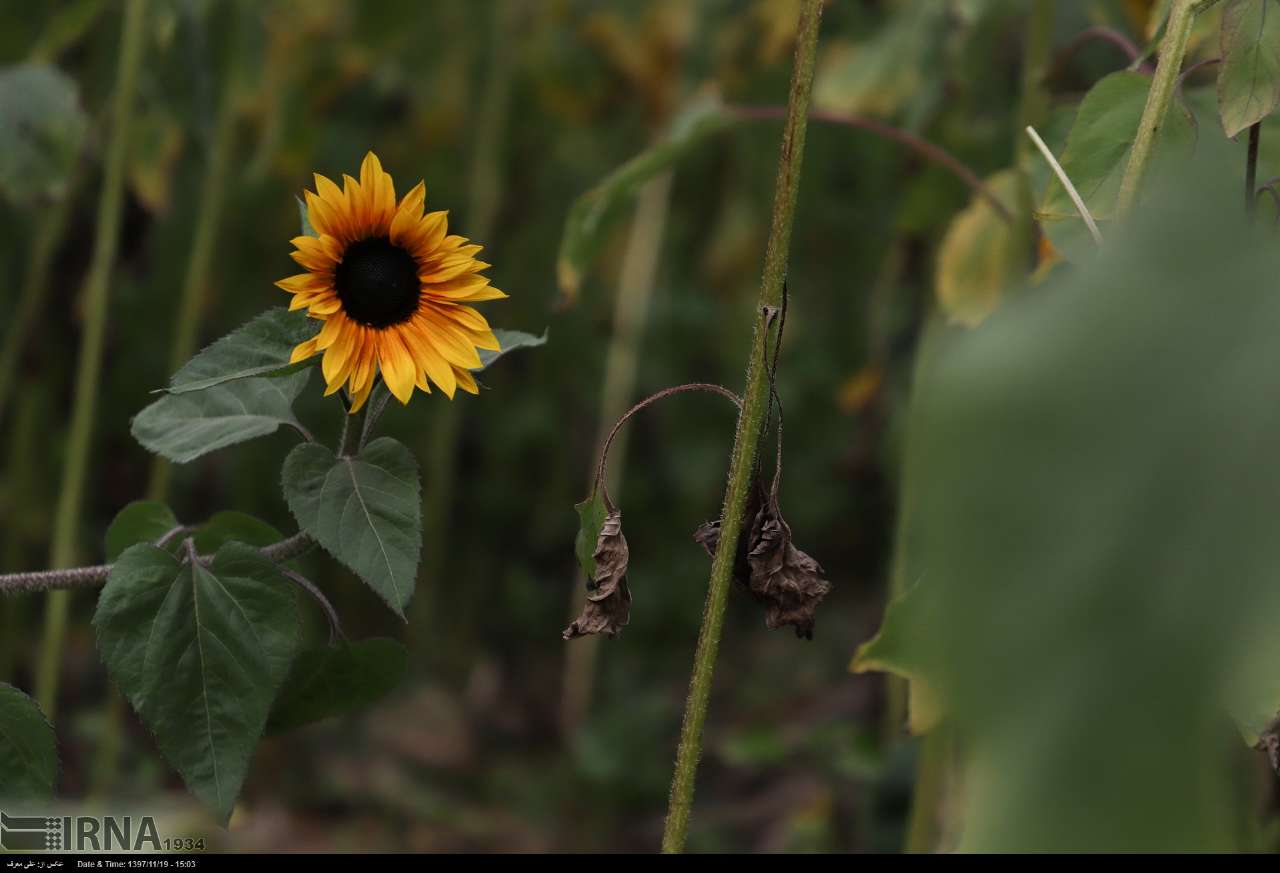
pixel 377 282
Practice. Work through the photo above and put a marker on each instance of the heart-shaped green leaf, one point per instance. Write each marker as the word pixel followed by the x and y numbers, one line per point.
pixel 509 340
pixel 143 521
pixel 364 510
pixel 260 348
pixel 28 748
pixel 200 653
pixel 1249 75
pixel 182 427
pixel 334 680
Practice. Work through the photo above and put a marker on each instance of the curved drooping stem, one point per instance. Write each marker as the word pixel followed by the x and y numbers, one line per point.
pixel 649 401
pixel 927 150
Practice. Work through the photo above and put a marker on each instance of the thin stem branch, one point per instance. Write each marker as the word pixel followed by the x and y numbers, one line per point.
pixel 97 286
pixel 1173 48
pixel 927 150
pixel 1066 183
pixel 335 623
pixel 75 578
pixel 649 401
pixel 755 403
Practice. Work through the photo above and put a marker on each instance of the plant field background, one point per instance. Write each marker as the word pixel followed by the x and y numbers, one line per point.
pixel 497 739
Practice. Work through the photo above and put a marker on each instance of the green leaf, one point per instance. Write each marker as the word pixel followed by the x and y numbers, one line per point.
pixel 200 653
pixel 1093 547
pixel 260 348
pixel 1249 75
pixel 593 213
pixel 591 516
pixel 42 126
pixel 890 651
pixel 143 521
pixel 364 510
pixel 238 527
pixel 893 69
pixel 1097 153
pixel 982 254
pixel 28 749
pixel 335 680
pixel 509 340
pixel 304 218
pixel 182 427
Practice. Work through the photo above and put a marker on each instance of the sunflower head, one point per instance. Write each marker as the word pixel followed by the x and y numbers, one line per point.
pixel 392 288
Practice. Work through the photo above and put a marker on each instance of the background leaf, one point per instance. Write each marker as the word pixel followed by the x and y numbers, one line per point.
pixel 200 653
pixel 1249 75
pixel 1097 153
pixel 1072 558
pixel 982 254
pixel 363 510
pixel 28 748
pixel 143 521
pixel 260 348
pixel 182 427
pixel 592 213
pixel 334 680
pixel 42 126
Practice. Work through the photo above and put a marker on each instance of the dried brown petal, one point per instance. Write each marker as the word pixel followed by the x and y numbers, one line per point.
pixel 608 607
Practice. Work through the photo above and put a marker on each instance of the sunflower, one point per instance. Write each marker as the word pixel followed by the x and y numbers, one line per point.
pixel 391 286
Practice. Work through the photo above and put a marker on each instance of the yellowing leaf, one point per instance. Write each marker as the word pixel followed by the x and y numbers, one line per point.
pixel 981 255
pixel 888 651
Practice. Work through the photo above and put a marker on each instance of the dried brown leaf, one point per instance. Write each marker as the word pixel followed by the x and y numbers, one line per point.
pixel 787 581
pixel 608 607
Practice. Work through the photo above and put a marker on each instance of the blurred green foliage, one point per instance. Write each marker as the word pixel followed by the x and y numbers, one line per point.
pixel 1089 406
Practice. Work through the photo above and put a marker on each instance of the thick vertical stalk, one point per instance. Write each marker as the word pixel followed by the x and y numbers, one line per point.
pixel 1251 170
pixel 97 282
pixel 925 826
pixel 213 189
pixel 1173 48
pixel 35 284
pixel 756 401
pixel 483 200
pixel 630 313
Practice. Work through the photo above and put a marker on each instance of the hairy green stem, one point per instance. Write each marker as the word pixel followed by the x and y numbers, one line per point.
pixel 97 284
pixel 71 578
pixel 756 402
pixel 1173 48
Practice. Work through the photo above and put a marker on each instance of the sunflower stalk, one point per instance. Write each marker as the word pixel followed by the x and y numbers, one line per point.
pixel 97 282
pixel 756 403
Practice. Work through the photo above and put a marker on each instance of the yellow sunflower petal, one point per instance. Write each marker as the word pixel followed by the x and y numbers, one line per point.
pixel 358 398
pixel 408 215
pixel 304 282
pixel 339 358
pixel 303 351
pixel 380 191
pixel 451 342
pixel 465 316
pixel 466 381
pixel 397 365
